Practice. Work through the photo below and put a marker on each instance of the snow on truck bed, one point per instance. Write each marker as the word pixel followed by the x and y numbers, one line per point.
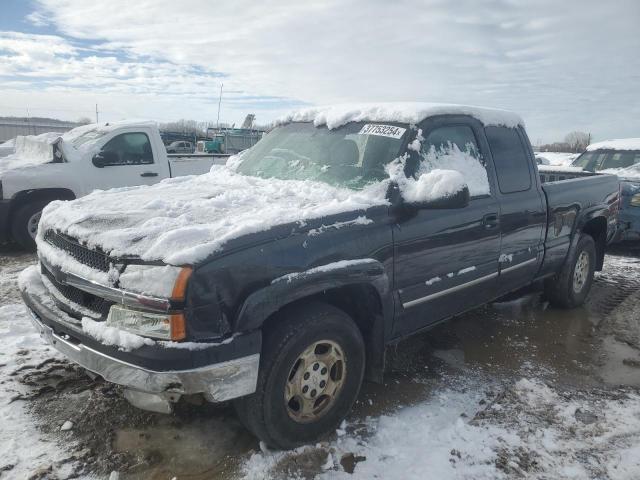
pixel 403 112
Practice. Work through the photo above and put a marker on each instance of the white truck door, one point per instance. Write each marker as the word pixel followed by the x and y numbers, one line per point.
pixel 128 159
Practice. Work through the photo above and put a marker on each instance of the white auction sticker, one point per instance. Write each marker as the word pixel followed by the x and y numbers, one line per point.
pixel 382 130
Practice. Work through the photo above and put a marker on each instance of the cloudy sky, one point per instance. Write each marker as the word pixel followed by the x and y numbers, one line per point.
pixel 563 65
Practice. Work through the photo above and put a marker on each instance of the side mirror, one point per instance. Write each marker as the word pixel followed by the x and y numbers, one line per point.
pixel 460 199
pixel 105 158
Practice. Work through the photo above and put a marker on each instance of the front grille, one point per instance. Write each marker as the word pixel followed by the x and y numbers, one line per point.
pixel 93 258
pixel 96 304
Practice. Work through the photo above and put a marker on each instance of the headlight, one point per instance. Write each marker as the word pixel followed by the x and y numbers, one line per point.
pixel 635 200
pixel 164 326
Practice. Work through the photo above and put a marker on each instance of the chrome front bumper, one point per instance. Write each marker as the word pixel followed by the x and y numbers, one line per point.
pixel 149 389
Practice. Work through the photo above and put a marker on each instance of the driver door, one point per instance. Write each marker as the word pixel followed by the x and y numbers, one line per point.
pixel 446 260
pixel 130 162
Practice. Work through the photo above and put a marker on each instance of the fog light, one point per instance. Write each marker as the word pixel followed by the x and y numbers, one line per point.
pixel 161 326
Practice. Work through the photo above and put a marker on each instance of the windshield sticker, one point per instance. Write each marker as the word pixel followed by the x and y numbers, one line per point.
pixel 390 131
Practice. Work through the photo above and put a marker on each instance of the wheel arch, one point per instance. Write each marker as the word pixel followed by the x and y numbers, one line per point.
pixel 362 291
pixel 26 196
pixel 596 227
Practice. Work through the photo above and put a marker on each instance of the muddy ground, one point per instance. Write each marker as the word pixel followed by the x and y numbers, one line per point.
pixel 591 353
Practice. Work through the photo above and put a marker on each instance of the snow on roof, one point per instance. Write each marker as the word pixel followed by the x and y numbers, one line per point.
pixel 334 116
pixel 616 144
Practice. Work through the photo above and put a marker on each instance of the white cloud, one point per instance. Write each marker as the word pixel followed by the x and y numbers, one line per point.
pixel 562 65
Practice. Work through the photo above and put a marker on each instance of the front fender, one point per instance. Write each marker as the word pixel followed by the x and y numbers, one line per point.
pixel 294 286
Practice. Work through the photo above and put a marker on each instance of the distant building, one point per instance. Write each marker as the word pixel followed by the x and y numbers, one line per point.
pixel 11 127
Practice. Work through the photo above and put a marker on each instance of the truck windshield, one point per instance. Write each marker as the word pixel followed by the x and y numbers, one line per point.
pixel 352 156
pixel 597 160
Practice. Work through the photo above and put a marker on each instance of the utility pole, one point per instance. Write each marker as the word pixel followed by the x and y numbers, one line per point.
pixel 97 113
pixel 219 102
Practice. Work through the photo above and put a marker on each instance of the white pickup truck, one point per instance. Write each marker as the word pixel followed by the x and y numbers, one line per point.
pixel 92 157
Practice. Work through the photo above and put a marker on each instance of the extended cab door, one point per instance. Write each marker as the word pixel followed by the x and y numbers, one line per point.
pixel 446 260
pixel 130 160
pixel 522 207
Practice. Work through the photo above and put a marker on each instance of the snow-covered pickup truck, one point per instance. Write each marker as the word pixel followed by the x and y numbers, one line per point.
pixel 99 156
pixel 620 157
pixel 279 279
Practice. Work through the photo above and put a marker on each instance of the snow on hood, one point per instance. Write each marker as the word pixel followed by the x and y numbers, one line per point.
pixel 631 173
pixel 186 219
pixel 616 144
pixel 403 112
pixel 30 150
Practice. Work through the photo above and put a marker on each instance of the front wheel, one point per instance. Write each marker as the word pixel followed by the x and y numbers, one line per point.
pixel 570 287
pixel 311 369
pixel 24 226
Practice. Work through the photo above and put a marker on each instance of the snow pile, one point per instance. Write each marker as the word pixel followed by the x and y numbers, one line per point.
pixel 184 220
pixel 452 158
pixel 432 185
pixel 559 169
pixel 7 148
pixel 335 116
pixel 616 144
pixel 111 336
pixel 30 150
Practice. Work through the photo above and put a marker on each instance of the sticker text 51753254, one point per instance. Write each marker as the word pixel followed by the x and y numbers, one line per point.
pixel 382 130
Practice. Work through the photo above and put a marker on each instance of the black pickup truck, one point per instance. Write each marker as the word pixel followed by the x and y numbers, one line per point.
pixel 278 281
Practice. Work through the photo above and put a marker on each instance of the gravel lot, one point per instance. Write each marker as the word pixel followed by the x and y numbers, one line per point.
pixel 511 390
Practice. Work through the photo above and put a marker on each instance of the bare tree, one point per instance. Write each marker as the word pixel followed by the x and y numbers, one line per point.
pixel 578 141
pixel 84 120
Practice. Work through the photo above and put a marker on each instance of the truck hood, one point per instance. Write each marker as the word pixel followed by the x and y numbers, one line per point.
pixel 184 220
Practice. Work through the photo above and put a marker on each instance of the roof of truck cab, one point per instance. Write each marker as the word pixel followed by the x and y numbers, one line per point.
pixel 334 116
pixel 616 144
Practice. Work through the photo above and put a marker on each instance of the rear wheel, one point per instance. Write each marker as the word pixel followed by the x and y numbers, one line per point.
pixel 570 287
pixel 311 369
pixel 24 226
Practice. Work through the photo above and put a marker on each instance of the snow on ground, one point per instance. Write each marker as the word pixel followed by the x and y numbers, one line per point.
pixel 23 449
pixel 528 430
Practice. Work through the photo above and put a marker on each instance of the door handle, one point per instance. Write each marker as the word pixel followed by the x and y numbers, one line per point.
pixel 490 221
pixel 149 174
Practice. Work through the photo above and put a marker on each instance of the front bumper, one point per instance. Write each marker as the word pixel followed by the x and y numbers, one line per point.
pixel 151 388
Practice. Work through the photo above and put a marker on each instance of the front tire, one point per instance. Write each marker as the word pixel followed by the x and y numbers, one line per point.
pixel 311 370
pixel 570 287
pixel 24 226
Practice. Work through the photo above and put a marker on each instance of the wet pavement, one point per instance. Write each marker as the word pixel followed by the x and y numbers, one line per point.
pixel 595 347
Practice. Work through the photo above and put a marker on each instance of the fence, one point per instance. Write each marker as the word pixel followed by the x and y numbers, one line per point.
pixel 11 129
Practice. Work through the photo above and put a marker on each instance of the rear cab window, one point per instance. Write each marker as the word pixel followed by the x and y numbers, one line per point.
pixel 510 158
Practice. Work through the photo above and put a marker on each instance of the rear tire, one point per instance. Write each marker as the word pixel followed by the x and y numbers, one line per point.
pixel 311 370
pixel 570 287
pixel 24 225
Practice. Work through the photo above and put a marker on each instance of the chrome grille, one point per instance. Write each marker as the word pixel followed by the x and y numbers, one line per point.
pixel 96 304
pixel 93 258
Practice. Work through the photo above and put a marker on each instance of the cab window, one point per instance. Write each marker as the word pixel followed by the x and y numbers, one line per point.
pixel 454 147
pixel 130 149
pixel 510 158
